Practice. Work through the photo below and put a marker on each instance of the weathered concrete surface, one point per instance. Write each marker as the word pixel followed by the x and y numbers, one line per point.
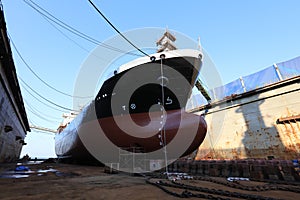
pixel 13 119
pixel 263 123
pixel 271 170
pixel 10 141
pixel 89 182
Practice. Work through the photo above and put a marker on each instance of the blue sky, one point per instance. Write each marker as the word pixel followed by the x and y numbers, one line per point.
pixel 241 37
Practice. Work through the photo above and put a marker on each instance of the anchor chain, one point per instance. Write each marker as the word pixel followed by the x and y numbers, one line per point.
pixel 214 193
pixel 266 187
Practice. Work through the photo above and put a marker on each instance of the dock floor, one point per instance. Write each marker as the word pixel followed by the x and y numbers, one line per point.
pixel 64 181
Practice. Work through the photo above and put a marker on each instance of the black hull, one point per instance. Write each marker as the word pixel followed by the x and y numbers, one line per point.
pixel 168 82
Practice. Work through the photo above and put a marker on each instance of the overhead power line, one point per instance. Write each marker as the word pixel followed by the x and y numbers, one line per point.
pixel 44 97
pixel 38 77
pixel 40 116
pixel 69 28
pixel 69 38
pixel 117 29
pixel 46 116
pixel 40 100
pixel 79 45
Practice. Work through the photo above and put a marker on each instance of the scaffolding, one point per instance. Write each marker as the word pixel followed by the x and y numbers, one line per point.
pixel 132 159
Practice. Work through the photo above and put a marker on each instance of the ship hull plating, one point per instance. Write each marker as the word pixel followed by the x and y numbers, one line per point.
pixel 142 105
pixel 70 145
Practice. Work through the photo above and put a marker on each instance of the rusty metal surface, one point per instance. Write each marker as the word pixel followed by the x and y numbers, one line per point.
pixel 292 118
pixel 263 125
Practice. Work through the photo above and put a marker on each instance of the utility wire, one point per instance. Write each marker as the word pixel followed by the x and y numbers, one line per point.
pixel 31 122
pixel 77 44
pixel 44 97
pixel 38 111
pixel 46 132
pixel 116 29
pixel 40 100
pixel 40 116
pixel 38 77
pixel 57 21
pixel 33 125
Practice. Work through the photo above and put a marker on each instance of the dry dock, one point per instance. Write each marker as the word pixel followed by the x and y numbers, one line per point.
pixel 251 150
pixel 254 117
pixel 13 118
pixel 64 181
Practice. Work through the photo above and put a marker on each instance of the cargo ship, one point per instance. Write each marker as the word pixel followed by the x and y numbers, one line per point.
pixel 142 105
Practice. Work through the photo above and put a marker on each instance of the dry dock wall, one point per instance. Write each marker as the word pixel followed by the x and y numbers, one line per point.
pixel 11 142
pixel 272 170
pixel 13 118
pixel 263 123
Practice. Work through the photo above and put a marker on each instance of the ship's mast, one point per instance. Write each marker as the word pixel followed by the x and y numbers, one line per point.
pixel 166 42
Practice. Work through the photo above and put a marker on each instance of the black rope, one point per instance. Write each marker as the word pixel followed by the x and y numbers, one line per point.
pixel 116 29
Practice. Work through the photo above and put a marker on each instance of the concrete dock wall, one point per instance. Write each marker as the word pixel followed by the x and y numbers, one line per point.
pixel 13 118
pixel 262 123
pixel 254 169
pixel 10 140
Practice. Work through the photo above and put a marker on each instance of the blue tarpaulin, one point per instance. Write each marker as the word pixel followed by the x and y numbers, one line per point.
pixel 289 68
pixel 267 76
pixel 262 78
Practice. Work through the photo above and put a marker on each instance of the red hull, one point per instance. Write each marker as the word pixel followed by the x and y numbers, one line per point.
pixel 184 133
pixel 148 138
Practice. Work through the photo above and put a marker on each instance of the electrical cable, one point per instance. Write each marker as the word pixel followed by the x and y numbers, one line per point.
pixel 44 97
pixel 37 76
pixel 40 100
pixel 31 121
pixel 40 116
pixel 57 21
pixel 76 43
pixel 117 29
pixel 35 130
pixel 80 46
pixel 38 111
